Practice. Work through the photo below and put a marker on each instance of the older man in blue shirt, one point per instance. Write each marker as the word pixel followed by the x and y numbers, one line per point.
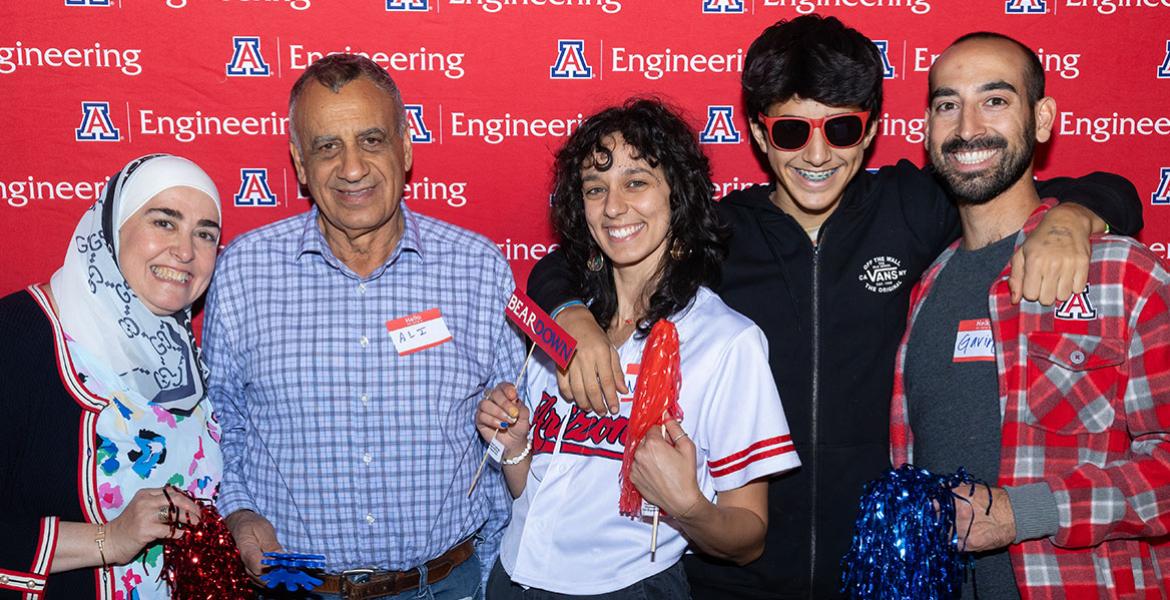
pixel 348 347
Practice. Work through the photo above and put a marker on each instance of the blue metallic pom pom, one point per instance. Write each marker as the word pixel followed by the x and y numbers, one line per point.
pixel 288 569
pixel 904 543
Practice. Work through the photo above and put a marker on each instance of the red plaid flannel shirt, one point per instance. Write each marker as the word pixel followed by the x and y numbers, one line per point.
pixel 1085 399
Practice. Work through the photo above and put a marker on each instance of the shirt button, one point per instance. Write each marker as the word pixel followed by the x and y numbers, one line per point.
pixel 1076 357
pixel 365 398
pixel 364 341
pixel 370 518
pixel 361 288
pixel 3 579
pixel 366 458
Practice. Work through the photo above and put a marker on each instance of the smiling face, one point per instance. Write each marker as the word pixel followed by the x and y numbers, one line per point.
pixel 167 249
pixel 352 159
pixel 811 181
pixel 627 209
pixel 981 128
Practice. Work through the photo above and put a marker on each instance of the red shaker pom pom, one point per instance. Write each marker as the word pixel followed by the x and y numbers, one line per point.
pixel 655 401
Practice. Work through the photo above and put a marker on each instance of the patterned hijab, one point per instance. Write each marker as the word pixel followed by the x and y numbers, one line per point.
pixel 154 356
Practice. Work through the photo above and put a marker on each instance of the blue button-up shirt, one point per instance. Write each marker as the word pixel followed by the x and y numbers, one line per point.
pixel 348 448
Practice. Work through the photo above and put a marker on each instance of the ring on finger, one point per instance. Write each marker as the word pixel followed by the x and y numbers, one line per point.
pixel 164 515
pixel 678 437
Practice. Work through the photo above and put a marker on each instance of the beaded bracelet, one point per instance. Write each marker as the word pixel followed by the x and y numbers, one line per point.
pixel 515 460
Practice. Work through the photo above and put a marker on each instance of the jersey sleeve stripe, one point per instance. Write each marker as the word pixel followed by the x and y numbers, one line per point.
pixel 47 547
pixel 780 439
pixel 22 582
pixel 757 456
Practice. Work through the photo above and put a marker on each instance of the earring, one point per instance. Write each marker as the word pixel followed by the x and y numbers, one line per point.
pixel 678 251
pixel 595 262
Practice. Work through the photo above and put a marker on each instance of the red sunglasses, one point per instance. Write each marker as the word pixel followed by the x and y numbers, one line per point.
pixel 793 133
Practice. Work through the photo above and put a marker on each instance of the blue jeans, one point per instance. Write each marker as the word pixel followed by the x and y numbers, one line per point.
pixel 463 583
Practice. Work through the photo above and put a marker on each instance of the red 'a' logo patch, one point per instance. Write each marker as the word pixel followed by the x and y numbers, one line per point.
pixel 1077 308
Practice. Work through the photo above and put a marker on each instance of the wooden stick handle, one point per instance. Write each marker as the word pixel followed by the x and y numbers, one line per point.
pixel 482 462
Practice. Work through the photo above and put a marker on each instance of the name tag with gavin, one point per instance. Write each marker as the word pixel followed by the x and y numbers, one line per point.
pixel 974 341
pixel 417 332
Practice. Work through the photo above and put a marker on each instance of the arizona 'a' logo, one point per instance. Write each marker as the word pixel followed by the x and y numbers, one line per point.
pixel 419 133
pixel 254 190
pixel 1162 194
pixel 725 7
pixel 1025 7
pixel 888 71
pixel 720 127
pixel 1164 70
pixel 246 58
pixel 570 63
pixel 408 5
pixel 96 125
pixel 87 2
pixel 1077 308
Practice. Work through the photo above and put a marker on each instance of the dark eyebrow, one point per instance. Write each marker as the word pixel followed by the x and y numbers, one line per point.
pixel 594 175
pixel 944 91
pixel 998 85
pixel 174 214
pixel 317 141
pixel 170 212
pixel 987 87
pixel 371 131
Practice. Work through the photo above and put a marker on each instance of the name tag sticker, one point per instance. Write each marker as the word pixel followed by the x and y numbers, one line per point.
pixel 974 342
pixel 496 450
pixel 417 332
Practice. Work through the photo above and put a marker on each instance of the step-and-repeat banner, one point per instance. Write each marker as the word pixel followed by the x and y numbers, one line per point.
pixel 492 88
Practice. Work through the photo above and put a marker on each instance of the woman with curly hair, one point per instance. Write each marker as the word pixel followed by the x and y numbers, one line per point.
pixel 633 210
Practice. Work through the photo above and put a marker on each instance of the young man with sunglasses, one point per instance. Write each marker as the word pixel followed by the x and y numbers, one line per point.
pixel 823 260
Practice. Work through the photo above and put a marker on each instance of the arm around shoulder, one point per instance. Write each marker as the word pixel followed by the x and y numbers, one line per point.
pixel 550 282
pixel 1111 197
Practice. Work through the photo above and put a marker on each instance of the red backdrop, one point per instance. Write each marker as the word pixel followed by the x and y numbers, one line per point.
pixel 493 87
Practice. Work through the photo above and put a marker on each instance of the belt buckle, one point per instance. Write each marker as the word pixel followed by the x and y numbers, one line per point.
pixel 354 577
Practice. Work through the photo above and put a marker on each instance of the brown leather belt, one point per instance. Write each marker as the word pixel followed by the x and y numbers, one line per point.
pixel 388 583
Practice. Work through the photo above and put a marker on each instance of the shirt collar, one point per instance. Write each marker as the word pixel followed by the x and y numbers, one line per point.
pixel 313 241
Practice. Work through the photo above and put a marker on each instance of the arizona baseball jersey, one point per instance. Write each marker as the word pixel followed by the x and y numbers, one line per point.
pixel 566 533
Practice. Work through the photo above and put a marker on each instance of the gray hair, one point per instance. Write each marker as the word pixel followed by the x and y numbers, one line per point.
pixel 334 72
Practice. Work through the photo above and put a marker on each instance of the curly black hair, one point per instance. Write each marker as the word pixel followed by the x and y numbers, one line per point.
pixel 658 135
pixel 816 58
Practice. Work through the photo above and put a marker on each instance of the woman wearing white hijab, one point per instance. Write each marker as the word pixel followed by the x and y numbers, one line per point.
pixel 102 393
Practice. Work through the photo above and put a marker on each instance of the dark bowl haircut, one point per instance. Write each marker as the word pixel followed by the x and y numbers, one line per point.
pixel 813 58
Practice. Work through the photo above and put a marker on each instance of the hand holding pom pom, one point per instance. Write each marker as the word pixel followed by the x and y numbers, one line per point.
pixel 905 541
pixel 204 562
